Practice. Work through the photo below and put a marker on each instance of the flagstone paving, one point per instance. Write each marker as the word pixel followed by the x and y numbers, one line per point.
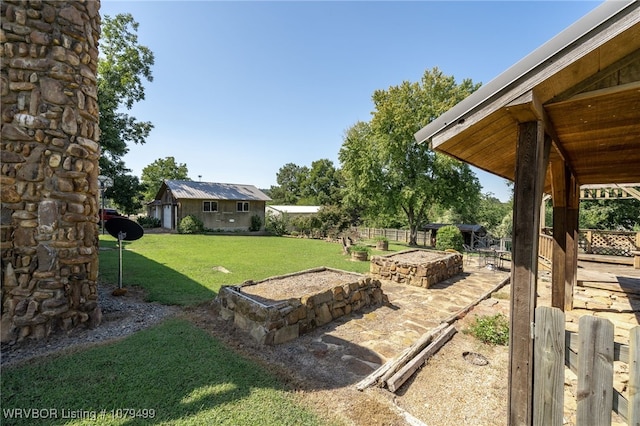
pixel 354 346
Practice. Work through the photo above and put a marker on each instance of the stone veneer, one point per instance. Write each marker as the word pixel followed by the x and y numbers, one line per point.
pixel 278 322
pixel 49 152
pixel 405 267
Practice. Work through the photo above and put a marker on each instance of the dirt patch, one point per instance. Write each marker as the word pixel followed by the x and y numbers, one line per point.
pixel 416 256
pixel 299 284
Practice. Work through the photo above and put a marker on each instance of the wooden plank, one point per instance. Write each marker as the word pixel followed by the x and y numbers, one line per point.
pixel 462 312
pixel 595 371
pixel 610 286
pixel 407 371
pixel 548 392
pixel 532 155
pixel 571 350
pixel 633 417
pixel 414 349
pixel 374 377
pixel 620 406
pixel 389 368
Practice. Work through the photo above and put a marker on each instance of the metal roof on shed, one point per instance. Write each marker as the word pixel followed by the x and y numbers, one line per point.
pixel 186 189
pixel 295 209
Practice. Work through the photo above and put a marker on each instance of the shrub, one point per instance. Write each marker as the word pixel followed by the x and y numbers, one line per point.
pixel 449 237
pixel 190 225
pixel 359 248
pixel 149 222
pixel 493 330
pixel 305 225
pixel 256 223
pixel 277 224
pixel 381 238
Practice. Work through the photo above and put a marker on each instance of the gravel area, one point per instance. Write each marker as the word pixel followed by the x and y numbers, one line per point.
pixel 121 316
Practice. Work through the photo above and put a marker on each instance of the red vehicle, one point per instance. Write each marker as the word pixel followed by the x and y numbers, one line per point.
pixel 108 214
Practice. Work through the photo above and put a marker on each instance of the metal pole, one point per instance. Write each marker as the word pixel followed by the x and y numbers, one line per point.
pixel 102 211
pixel 121 236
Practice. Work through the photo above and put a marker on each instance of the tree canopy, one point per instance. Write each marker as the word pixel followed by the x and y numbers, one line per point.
pixel 300 185
pixel 159 170
pixel 122 66
pixel 386 170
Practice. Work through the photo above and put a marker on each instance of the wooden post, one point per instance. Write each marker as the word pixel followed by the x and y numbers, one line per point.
pixel 558 254
pixel 531 160
pixel 572 229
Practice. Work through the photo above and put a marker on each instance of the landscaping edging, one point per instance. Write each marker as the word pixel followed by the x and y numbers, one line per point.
pixel 421 274
pixel 276 322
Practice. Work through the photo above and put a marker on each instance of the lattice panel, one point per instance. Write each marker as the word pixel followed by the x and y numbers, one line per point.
pixel 608 243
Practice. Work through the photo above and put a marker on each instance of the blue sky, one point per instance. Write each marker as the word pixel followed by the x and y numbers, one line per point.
pixel 242 88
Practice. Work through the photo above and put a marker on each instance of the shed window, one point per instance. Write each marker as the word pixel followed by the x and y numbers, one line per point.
pixel 209 206
pixel 243 206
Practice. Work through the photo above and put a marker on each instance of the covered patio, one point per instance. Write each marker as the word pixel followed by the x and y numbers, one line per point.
pixel 566 115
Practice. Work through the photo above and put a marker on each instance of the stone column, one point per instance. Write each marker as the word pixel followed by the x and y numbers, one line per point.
pixel 49 152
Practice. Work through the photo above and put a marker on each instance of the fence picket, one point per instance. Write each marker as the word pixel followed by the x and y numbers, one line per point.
pixel 548 394
pixel 633 417
pixel 595 371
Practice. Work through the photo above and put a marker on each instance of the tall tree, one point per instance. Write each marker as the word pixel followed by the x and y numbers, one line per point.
pixel 127 193
pixel 290 179
pixel 159 170
pixel 122 67
pixel 322 184
pixel 385 167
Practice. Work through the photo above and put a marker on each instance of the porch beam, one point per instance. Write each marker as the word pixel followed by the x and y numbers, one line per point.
pixel 532 155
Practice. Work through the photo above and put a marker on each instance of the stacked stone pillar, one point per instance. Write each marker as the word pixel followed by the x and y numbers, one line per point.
pixel 49 166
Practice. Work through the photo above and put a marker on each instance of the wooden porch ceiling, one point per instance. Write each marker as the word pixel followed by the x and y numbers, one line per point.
pixel 587 95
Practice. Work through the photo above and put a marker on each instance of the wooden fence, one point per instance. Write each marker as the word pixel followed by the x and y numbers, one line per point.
pixel 424 238
pixel 590 354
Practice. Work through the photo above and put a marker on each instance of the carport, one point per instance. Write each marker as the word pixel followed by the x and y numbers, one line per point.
pixel 566 115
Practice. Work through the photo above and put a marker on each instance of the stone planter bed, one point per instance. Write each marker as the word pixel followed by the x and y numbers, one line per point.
pixel 419 268
pixel 279 309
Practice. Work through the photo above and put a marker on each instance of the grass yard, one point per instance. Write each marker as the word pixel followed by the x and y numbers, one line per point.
pixel 183 269
pixel 173 373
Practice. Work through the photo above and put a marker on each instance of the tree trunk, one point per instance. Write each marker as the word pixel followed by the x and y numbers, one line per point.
pixel 413 235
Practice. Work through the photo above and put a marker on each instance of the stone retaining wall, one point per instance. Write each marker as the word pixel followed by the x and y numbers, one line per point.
pixel 393 268
pixel 283 321
pixel 50 151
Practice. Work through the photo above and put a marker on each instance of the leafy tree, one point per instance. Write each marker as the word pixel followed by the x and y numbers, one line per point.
pixel 322 184
pixel 290 179
pixel 386 170
pixel 122 67
pixel 159 170
pixel 332 220
pixel 610 214
pixel 491 212
pixel 126 193
pixel 300 185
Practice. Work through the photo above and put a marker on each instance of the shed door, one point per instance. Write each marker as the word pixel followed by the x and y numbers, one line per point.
pixel 166 217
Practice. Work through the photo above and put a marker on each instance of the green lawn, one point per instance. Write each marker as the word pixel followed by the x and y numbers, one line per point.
pixel 173 373
pixel 181 269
